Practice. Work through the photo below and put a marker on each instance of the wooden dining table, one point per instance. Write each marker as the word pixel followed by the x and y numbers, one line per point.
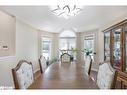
pixel 64 76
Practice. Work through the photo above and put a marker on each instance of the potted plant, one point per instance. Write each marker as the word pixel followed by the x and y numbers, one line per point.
pixel 89 52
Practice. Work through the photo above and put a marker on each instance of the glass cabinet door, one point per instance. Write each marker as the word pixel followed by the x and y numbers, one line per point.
pixel 107 46
pixel 125 50
pixel 116 52
pixel 126 53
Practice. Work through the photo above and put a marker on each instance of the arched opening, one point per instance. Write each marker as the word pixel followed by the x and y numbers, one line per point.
pixel 67 33
pixel 67 43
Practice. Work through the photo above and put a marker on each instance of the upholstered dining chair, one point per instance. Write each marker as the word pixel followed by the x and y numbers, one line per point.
pixel 23 75
pixel 106 78
pixel 42 63
pixel 65 58
pixel 88 64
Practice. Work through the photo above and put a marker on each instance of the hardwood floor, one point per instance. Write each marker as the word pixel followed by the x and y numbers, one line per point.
pixel 93 74
pixel 37 74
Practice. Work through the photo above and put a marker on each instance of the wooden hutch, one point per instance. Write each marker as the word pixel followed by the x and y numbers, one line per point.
pixel 115 50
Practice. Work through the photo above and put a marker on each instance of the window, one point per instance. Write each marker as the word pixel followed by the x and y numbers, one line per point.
pixel 46 47
pixel 67 42
pixel 89 44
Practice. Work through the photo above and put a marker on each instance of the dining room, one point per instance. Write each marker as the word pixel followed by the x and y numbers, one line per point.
pixel 63 47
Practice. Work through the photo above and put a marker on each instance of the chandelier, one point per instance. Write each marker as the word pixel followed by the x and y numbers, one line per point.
pixel 66 11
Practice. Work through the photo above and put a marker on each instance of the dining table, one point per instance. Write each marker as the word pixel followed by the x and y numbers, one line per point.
pixel 64 76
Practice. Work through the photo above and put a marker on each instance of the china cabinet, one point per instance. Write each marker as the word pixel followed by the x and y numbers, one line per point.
pixel 115 50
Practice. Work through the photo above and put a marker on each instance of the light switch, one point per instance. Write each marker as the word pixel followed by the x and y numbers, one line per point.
pixel 5 47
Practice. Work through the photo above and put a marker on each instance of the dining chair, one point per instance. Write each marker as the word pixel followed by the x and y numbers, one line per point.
pixel 23 75
pixel 106 78
pixel 65 58
pixel 42 63
pixel 88 64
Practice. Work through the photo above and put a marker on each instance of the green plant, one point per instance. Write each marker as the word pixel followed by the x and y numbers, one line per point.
pixel 88 52
pixel 74 50
pixel 73 53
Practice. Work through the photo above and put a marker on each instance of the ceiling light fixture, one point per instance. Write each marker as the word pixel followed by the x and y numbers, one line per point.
pixel 66 11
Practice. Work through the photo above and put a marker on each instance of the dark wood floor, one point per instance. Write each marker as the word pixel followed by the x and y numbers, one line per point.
pixel 37 74
pixel 93 75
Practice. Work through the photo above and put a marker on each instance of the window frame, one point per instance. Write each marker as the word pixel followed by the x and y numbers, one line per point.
pixel 68 47
pixel 92 37
pixel 47 39
pixel 68 43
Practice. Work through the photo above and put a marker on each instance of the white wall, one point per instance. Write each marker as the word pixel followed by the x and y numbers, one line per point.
pixel 7 34
pixel 26 48
pixel 79 45
pixel 54 40
pixel 55 53
pixel 26 43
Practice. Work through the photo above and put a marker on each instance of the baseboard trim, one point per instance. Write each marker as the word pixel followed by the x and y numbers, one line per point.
pixel 93 69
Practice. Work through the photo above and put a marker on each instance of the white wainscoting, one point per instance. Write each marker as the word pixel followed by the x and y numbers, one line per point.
pixel 7 58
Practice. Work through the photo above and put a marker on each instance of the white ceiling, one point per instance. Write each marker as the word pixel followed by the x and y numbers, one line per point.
pixel 91 17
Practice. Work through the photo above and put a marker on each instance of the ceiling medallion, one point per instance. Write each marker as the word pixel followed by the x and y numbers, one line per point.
pixel 66 11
